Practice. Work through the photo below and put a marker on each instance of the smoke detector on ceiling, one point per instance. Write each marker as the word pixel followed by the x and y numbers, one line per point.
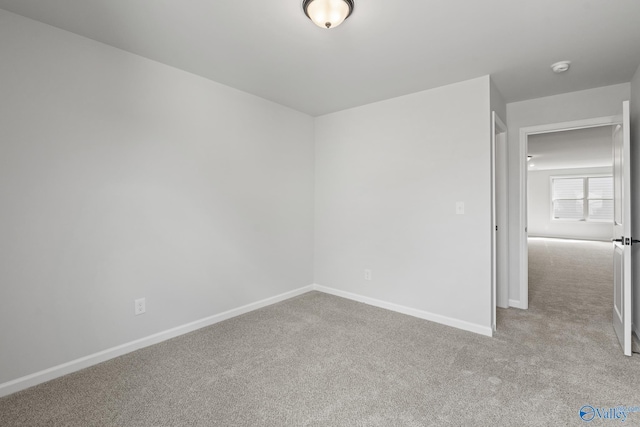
pixel 560 67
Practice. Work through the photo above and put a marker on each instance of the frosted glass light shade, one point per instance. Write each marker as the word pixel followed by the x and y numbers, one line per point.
pixel 327 13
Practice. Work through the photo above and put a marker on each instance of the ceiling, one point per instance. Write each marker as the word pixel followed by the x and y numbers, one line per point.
pixel 579 148
pixel 387 48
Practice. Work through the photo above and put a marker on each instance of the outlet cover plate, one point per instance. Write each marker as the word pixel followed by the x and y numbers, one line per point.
pixel 140 306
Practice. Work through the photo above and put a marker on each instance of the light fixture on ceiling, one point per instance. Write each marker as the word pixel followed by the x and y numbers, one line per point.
pixel 560 67
pixel 327 13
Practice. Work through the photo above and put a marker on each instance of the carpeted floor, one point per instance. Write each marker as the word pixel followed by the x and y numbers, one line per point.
pixel 319 360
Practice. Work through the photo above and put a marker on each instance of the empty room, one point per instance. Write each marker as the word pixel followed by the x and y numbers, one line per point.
pixel 318 213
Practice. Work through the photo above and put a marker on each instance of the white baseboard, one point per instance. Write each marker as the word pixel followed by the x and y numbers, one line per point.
pixel 456 323
pixel 102 356
pixel 516 303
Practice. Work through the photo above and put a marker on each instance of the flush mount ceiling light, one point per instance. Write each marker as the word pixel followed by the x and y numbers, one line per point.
pixel 327 13
pixel 560 67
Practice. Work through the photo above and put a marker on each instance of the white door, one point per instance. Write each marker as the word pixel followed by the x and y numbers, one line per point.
pixel 494 224
pixel 622 232
pixel 501 192
pixel 498 216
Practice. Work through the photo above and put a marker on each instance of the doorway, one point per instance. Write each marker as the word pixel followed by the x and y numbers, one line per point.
pixel 523 220
pixel 570 218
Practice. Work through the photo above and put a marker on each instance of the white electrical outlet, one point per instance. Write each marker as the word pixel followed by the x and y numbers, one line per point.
pixel 459 208
pixel 140 306
pixel 367 274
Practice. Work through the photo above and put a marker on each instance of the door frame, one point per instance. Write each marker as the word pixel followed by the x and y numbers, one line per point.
pixel 499 214
pixel 499 217
pixel 522 235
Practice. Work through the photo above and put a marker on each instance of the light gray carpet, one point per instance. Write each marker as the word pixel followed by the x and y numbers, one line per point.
pixel 319 360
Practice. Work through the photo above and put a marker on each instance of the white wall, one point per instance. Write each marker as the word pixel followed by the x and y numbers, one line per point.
pixel 635 191
pixel 540 222
pixel 585 104
pixel 123 178
pixel 388 176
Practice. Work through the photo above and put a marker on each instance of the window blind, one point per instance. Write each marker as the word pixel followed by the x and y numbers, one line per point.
pixel 582 198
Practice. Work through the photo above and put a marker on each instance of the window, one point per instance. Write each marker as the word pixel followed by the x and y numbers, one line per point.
pixel 587 198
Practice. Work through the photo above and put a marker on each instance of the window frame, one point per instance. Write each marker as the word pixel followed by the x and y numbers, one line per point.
pixel 585 197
